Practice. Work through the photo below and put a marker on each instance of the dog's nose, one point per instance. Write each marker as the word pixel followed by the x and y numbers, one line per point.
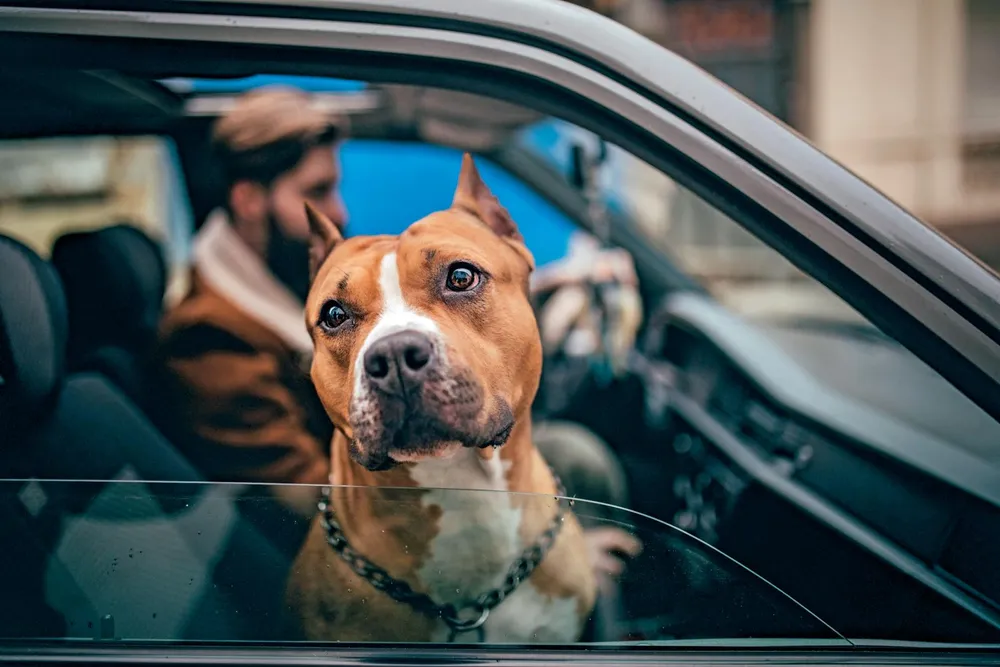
pixel 399 361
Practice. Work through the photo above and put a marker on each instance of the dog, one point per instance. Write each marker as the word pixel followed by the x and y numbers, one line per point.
pixel 427 359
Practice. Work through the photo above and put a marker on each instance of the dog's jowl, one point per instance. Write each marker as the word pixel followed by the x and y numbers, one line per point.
pixel 441 523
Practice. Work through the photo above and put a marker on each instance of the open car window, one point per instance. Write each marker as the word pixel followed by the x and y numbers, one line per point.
pixel 797 478
pixel 718 405
pixel 170 563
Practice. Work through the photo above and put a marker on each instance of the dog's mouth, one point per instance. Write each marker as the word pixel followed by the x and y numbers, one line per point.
pixel 408 432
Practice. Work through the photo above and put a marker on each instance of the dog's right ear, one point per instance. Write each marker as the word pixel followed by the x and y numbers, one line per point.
pixel 323 236
pixel 473 196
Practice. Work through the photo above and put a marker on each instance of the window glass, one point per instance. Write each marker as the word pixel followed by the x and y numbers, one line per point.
pixel 824 336
pixel 781 460
pixel 775 370
pixel 187 562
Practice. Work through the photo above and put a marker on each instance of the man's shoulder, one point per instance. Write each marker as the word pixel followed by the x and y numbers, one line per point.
pixel 204 321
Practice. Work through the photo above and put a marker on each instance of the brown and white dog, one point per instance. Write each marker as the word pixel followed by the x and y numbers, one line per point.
pixel 427 359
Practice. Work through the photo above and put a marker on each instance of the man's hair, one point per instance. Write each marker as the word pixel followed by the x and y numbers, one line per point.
pixel 268 132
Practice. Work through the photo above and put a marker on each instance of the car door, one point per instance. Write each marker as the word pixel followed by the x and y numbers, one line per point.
pixel 902 276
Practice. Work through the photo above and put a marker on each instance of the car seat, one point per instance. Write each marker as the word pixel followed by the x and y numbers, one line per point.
pixel 61 425
pixel 64 438
pixel 114 281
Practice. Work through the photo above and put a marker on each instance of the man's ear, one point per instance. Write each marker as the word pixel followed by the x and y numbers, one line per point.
pixel 323 236
pixel 473 196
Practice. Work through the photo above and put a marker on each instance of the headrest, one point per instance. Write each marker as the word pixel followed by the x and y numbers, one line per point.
pixel 114 280
pixel 32 335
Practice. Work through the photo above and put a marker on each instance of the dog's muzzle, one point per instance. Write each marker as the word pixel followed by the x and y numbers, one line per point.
pixel 413 403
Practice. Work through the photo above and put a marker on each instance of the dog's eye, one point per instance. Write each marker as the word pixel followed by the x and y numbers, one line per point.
pixel 332 316
pixel 462 278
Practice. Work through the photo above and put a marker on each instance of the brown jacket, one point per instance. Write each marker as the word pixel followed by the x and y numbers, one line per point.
pixel 237 396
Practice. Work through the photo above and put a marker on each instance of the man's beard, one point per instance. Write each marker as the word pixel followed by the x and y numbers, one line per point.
pixel 288 259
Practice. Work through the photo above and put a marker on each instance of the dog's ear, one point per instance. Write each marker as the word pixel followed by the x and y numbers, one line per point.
pixel 323 236
pixel 473 196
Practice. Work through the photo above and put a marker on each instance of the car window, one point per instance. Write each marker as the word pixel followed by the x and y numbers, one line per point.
pixel 746 276
pixel 794 476
pixel 776 370
pixel 189 562
pixel 735 266
pixel 826 338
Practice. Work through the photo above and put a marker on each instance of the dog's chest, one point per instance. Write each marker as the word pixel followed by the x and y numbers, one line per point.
pixel 477 541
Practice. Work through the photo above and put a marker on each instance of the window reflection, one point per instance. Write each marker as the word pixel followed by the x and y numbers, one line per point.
pixel 131 560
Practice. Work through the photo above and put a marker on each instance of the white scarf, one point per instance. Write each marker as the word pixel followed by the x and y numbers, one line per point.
pixel 231 268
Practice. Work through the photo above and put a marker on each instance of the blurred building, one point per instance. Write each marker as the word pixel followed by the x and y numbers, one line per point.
pixel 907 94
pixel 752 45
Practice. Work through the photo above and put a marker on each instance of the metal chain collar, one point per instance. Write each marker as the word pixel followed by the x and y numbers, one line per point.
pixel 401 591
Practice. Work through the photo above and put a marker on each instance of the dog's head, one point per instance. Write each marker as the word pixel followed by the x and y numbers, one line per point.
pixel 425 342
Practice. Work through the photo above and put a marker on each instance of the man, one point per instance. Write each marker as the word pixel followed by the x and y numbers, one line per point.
pixel 236 352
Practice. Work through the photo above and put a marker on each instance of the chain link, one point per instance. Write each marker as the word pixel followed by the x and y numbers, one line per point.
pixel 401 591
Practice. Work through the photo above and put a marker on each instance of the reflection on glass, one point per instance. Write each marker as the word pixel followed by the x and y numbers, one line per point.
pixel 129 560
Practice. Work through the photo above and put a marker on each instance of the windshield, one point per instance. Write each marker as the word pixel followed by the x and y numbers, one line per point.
pixel 185 562
pixel 741 271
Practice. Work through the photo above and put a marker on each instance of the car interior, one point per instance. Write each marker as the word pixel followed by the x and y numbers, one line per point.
pixel 824 459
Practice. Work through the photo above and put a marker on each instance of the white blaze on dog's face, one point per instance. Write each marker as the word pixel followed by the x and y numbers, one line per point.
pixel 425 342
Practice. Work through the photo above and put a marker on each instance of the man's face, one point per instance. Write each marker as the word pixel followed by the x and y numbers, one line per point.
pixel 316 179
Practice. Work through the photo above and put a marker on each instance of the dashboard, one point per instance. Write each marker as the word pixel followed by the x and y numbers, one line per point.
pixel 843 491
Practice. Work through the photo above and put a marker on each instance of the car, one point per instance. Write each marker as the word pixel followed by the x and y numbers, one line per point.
pixel 811 444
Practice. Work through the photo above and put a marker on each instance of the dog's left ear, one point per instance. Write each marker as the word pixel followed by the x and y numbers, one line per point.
pixel 323 236
pixel 473 196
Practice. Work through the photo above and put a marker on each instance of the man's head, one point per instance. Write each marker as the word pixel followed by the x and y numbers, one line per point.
pixel 425 342
pixel 276 149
